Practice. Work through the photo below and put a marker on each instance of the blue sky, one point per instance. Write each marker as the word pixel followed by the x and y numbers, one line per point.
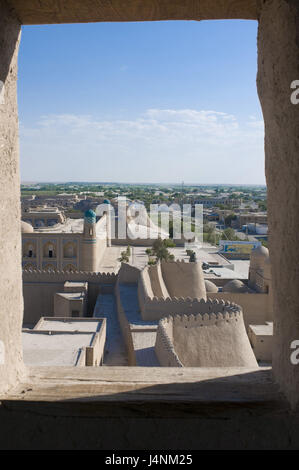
pixel 141 102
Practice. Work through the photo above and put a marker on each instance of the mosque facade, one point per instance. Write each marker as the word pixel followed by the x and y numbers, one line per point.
pixel 76 245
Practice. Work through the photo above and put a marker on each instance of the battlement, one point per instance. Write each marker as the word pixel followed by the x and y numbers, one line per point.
pixel 155 307
pixel 164 347
pixel 62 276
pixel 203 319
pixel 210 338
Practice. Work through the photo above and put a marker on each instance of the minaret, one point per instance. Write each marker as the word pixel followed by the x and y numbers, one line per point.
pixel 108 221
pixel 89 242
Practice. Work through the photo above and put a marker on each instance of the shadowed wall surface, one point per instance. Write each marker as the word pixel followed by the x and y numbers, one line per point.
pixel 76 11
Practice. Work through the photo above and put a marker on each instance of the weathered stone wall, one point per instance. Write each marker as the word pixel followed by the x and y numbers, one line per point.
pixel 164 348
pixel 157 281
pixel 213 340
pixel 255 306
pixel 128 274
pixel 172 280
pixel 184 279
pixel 55 11
pixel 125 328
pixel 11 303
pixel 278 67
pixel 39 288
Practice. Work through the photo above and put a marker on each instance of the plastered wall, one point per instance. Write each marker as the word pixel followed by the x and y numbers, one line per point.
pixel 205 340
pixel 11 302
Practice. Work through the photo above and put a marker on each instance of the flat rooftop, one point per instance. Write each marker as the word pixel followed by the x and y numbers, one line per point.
pixel 262 330
pixel 69 324
pixel 69 226
pixel 71 295
pixel 54 348
pixel 239 270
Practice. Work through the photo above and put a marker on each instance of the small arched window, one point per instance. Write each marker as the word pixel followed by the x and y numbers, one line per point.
pixel 50 251
pixel 30 251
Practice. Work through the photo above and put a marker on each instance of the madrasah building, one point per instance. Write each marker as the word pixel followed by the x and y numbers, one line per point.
pixel 74 245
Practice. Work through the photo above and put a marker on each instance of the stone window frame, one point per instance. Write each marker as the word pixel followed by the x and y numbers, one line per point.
pixel 278 20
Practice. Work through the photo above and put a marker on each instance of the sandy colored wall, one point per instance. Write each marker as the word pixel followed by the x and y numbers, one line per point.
pixel 40 287
pixel 278 67
pixel 184 279
pixel 125 328
pixel 212 341
pixel 128 274
pixel 133 242
pixel 95 352
pixel 164 348
pixel 63 307
pixel 255 306
pixel 145 284
pixel 157 283
pixel 154 308
pixel 39 300
pixel 11 303
pixel 262 345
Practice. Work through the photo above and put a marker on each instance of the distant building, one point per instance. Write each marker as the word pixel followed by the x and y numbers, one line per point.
pixel 216 201
pixel 74 245
pixel 43 217
pixel 252 218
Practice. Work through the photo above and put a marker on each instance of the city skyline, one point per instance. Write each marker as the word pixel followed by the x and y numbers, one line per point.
pixel 159 102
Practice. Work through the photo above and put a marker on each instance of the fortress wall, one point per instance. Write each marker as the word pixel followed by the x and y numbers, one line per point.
pixel 95 352
pixel 128 274
pixel 215 340
pixel 255 306
pixel 125 328
pixel 141 296
pixel 157 282
pixel 62 276
pixel 164 349
pixel 183 279
pixel 39 288
pixel 133 241
pixel 157 308
pixel 39 300
pixel 144 288
pixel 165 293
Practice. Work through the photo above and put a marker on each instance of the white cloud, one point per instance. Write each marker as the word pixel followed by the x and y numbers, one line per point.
pixel 158 136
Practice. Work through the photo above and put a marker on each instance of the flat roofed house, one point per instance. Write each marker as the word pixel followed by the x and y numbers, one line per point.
pixel 59 341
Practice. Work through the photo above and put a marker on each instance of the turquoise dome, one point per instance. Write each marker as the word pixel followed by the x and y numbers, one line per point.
pixel 90 217
pixel 106 201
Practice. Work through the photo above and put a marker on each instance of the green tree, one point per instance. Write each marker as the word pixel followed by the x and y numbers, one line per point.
pixel 160 250
pixel 124 258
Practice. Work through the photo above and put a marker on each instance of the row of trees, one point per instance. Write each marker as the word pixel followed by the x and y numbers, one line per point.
pixel 159 251
pixel 210 235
